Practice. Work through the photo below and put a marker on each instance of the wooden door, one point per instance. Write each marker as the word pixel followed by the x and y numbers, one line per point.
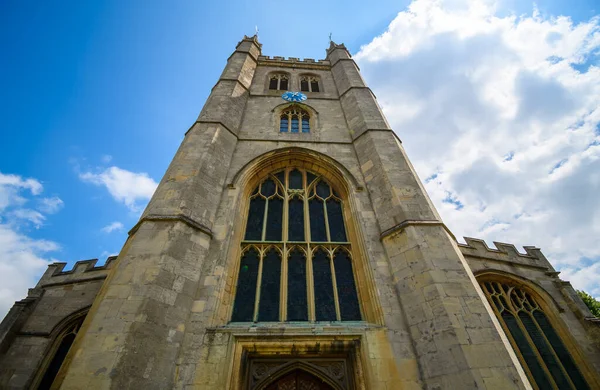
pixel 298 380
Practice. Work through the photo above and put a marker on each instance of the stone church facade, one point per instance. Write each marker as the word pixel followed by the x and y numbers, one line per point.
pixel 291 245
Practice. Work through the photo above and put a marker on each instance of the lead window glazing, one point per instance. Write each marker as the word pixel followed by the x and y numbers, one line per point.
pixel 547 360
pixel 294 120
pixel 296 261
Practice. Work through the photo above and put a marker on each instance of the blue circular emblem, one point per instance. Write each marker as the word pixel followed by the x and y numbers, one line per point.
pixel 294 96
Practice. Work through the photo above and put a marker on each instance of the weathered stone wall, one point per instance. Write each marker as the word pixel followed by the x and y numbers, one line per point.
pixel 30 328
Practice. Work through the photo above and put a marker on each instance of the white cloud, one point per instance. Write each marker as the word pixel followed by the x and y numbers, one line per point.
pixel 22 259
pixel 500 124
pixel 132 189
pixel 51 205
pixel 35 217
pixel 106 158
pixel 115 226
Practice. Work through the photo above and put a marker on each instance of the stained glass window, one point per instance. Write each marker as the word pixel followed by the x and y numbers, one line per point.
pixel 296 262
pixel 293 119
pixel 547 361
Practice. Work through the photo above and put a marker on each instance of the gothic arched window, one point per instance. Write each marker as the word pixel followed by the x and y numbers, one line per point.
pixel 296 262
pixel 58 353
pixel 278 81
pixel 535 340
pixel 309 84
pixel 294 120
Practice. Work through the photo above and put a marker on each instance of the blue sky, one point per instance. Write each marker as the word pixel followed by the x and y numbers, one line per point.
pixel 95 91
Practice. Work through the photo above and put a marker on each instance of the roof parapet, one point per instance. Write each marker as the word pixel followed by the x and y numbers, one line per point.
pixel 478 248
pixel 292 61
pixel 82 270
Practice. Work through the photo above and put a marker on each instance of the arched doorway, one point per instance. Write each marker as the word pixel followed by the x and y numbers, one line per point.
pixel 298 380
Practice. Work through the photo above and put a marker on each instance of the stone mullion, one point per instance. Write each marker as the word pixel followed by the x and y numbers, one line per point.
pixel 562 368
pixel 264 226
pixel 529 313
pixel 284 238
pixel 310 282
pixel 515 313
pixel 508 334
pixel 336 298
pixel 258 284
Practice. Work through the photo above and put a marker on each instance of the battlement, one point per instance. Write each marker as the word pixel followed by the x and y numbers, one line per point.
pixel 82 270
pixel 293 62
pixel 477 248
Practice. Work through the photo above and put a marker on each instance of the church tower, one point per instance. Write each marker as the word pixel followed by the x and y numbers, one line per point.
pixel 290 235
pixel 291 245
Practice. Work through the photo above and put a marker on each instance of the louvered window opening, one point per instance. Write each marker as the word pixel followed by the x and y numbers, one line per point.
pixel 309 84
pixel 545 358
pixel 294 120
pixel 278 82
pixel 296 262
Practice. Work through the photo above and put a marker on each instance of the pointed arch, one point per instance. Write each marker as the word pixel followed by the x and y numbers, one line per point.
pixel 539 337
pixel 299 214
pixel 335 171
pixel 298 365
pixel 62 336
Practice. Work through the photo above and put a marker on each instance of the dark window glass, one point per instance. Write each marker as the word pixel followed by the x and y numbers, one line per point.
pixel 295 123
pixel 324 304
pixel 314 86
pixel 562 353
pixel 57 361
pixel 336 221
pixel 274 220
pixel 281 177
pixel 310 178
pixel 243 307
pixel 273 83
pixel 268 188
pixel 283 124
pixel 323 190
pixel 303 85
pixel 305 125
pixel 344 278
pixel 544 350
pixel 256 214
pixel 296 220
pixel 297 305
pixel 317 220
pixel 296 180
pixel 268 309
pixel 528 354
pixel 283 84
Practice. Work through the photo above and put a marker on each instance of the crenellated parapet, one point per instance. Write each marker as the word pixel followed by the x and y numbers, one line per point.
pixel 293 62
pixel 83 270
pixel 506 253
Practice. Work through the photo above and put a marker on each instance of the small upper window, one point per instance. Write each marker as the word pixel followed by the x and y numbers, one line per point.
pixel 278 82
pixel 309 84
pixel 294 120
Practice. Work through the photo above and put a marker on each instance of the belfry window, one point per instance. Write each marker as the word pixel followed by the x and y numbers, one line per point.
pixel 278 81
pixel 294 120
pixel 296 261
pixel 546 359
pixel 309 84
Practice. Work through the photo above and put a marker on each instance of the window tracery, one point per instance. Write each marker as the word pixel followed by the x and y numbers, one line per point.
pixel 545 357
pixel 294 120
pixel 57 356
pixel 278 81
pixel 296 262
pixel 309 84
